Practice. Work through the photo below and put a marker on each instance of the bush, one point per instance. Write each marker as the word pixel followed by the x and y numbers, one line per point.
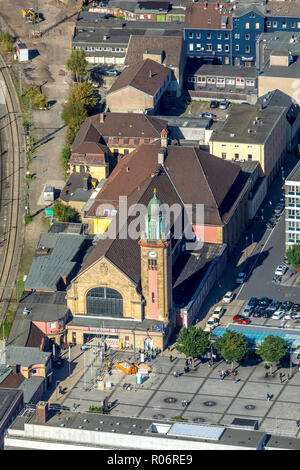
pixel 6 42
pixel 37 98
pixel 65 213
pixel 101 410
pixel 28 218
pixel 65 157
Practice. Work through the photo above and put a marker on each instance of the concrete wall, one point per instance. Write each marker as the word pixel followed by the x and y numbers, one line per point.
pixel 129 100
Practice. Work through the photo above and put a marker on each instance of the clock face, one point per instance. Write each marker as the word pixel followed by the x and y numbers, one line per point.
pixel 152 254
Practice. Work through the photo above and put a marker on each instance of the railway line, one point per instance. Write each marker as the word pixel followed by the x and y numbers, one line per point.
pixel 15 192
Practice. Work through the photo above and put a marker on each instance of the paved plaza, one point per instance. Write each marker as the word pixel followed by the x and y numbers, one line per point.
pixel 211 401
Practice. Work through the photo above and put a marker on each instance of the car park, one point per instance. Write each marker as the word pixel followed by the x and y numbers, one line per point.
pixel 240 319
pixel 280 270
pixel 228 297
pixel 218 312
pixel 241 278
pixel 214 104
pixel 224 104
pixel 247 311
pixel 274 305
pixel 278 315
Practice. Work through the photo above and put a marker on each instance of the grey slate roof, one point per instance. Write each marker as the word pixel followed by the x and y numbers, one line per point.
pixel 30 386
pixel 25 356
pixel 46 271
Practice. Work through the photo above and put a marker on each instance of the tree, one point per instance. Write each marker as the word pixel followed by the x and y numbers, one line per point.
pixel 192 342
pixel 74 113
pixel 65 213
pixel 77 64
pixel 272 349
pixel 293 255
pixel 85 94
pixel 65 156
pixel 232 346
pixel 6 41
pixel 37 98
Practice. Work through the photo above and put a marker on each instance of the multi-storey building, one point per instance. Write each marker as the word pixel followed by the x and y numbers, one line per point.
pixel 292 207
pixel 226 34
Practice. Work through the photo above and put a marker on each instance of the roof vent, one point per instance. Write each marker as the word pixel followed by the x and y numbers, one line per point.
pixel 96 429
pixel 232 135
pixel 249 131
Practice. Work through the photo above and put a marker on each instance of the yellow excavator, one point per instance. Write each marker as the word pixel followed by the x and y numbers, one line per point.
pixel 29 14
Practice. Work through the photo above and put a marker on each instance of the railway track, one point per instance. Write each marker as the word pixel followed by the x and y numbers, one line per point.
pixel 15 178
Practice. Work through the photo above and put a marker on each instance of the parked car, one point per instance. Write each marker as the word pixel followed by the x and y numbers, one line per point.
pixel 224 104
pixel 278 315
pixel 208 115
pixel 241 319
pixel 288 314
pixel 218 312
pixel 267 313
pixel 287 305
pixel 274 305
pixel 211 324
pixel 241 278
pixel 279 208
pixel 111 73
pixel 257 312
pixel 26 311
pixel 227 297
pixel 58 407
pixel 296 317
pixel 247 311
pixel 252 302
pixel 280 270
pixel 296 308
pixel 264 302
pixel 214 104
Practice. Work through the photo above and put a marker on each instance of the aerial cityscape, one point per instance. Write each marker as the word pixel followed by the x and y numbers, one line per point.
pixel 150 227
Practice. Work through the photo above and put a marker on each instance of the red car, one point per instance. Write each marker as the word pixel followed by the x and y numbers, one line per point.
pixel 241 319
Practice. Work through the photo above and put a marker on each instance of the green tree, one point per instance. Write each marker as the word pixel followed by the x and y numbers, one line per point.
pixel 272 349
pixel 65 213
pixel 65 156
pixel 192 342
pixel 232 346
pixel 37 98
pixel 77 64
pixel 84 93
pixel 6 42
pixel 293 255
pixel 74 113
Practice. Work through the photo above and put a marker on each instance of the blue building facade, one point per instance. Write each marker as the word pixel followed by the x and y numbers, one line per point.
pixel 227 35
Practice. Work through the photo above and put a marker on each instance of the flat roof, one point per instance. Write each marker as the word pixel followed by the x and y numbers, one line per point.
pixel 240 120
pixel 281 71
pixel 220 70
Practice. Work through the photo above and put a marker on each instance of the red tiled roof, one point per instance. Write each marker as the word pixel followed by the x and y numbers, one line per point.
pixel 207 16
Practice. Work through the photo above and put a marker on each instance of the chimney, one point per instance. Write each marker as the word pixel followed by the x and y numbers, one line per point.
pixel 102 117
pixel 164 138
pixel 85 183
pixel 41 412
pixel 161 156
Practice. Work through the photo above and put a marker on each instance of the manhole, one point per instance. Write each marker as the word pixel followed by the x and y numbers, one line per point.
pixel 199 420
pixel 250 407
pixel 170 400
pixel 209 403
pixel 158 416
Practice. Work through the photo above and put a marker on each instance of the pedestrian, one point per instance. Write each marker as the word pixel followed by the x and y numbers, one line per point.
pixel 298 423
pixel 268 397
pixel 171 358
pixel 183 403
pixel 209 364
pixel 288 376
pixel 175 373
pixel 186 362
pixel 221 377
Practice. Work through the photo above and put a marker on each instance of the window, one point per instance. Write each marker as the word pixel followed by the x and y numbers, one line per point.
pixel 34 371
pixel 219 35
pixel 226 48
pixel 247 25
pixel 249 82
pixel 52 324
pixel 191 47
pixel 230 81
pixel 237 47
pixel 153 297
pixel 237 36
pixel 269 24
pixel 249 156
pixel 293 24
pixel 201 79
pixel 284 24
pixel 219 47
pixel 209 47
pixel 104 301
pixel 209 20
pixel 191 35
pixel 247 37
pixel 240 82
pixel 298 25
pixel 226 36
pixel 198 47
pixel 223 155
pixel 106 211
pixel 257 25
pixel 247 49
pixel 226 61
pixel 152 264
pixel 211 80
pixel 236 156
pixel 208 35
pixel 221 81
pixel 198 35
pixel 274 24
pixel 191 79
